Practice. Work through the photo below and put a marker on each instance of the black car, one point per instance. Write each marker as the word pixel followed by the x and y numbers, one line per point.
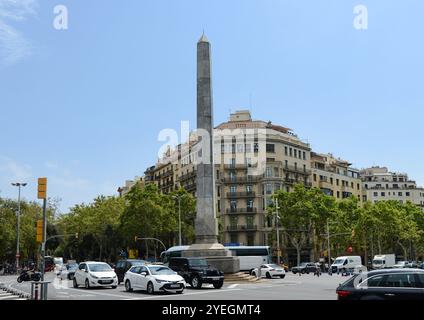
pixel 386 284
pixel 196 271
pixel 122 266
pixel 305 267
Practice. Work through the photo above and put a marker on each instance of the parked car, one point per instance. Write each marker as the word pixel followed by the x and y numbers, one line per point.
pixel 359 269
pixel 269 271
pixel 401 264
pixel 122 266
pixel 196 271
pixel 412 264
pixel 344 263
pixel 153 278
pixel 384 284
pixel 68 271
pixel 305 267
pixel 95 274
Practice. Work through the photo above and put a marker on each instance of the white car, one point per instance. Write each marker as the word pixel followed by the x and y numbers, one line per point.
pixel 95 274
pixel 401 264
pixel 269 271
pixel 67 271
pixel 154 278
pixel 359 269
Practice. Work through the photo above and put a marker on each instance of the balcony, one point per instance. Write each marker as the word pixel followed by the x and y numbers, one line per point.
pixel 187 176
pixel 294 169
pixel 190 187
pixel 241 194
pixel 167 174
pixel 236 166
pixel 242 210
pixel 240 180
pixel 242 228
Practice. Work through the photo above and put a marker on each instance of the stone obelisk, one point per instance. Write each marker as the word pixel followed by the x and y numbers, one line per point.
pixel 206 224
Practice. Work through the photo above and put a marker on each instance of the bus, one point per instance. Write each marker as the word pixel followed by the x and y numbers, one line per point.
pixel 251 257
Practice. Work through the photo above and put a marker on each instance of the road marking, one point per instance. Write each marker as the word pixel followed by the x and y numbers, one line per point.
pixel 184 294
pixel 98 293
pixel 11 296
pixel 233 286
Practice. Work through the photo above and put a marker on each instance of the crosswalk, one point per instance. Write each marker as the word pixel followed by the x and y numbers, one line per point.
pixel 9 296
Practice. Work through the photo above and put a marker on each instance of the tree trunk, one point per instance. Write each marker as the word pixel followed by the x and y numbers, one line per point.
pixel 298 254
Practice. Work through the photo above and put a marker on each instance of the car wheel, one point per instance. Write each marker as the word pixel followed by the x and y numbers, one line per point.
pixel 283 276
pixel 87 284
pixel 150 288
pixel 294 272
pixel 303 271
pixel 254 274
pixel 75 283
pixel 128 286
pixel 268 275
pixel 19 279
pixel 218 285
pixel 114 287
pixel 196 283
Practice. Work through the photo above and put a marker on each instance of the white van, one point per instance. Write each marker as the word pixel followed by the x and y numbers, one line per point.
pixel 345 263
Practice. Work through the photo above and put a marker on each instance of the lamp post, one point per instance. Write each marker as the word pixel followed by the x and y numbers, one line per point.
pixel 19 185
pixel 277 222
pixel 179 217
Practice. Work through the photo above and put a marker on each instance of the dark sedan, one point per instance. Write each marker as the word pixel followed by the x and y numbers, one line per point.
pixel 122 266
pixel 386 284
pixel 305 267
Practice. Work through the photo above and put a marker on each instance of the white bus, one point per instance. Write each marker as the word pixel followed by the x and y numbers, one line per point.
pixel 251 257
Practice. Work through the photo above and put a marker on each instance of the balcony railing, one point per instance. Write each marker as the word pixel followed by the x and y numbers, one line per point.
pixel 167 174
pixel 187 176
pixel 239 166
pixel 242 228
pixel 297 170
pixel 241 194
pixel 190 187
pixel 240 180
pixel 241 210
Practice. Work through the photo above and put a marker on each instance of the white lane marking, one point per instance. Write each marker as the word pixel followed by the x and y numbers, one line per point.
pixel 233 286
pixel 98 293
pixel 184 294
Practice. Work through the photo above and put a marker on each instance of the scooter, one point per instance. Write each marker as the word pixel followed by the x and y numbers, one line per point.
pixel 29 276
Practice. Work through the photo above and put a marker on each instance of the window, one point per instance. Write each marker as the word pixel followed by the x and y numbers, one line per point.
pixel 268 172
pixel 408 194
pixel 233 205
pixel 400 280
pixel 376 281
pixel 268 188
pixel 219 205
pixel 250 239
pixel 234 238
pixel 291 152
pixel 375 194
pixel 295 166
pixel 357 186
pixel 338 194
pixel 383 194
pixel 400 194
pixel 250 221
pixel 295 153
pixel 304 168
pixel 286 163
pixel 270 147
pixel 233 221
pixel 249 188
pixel 286 151
pixel 249 204
pixel 304 155
pixel 331 180
pixel 219 191
pixel 337 182
pixel 217 174
pixel 315 177
pixel 276 172
pixel 233 189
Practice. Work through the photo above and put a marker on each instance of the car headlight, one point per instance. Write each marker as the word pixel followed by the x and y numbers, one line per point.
pixel 94 277
pixel 160 281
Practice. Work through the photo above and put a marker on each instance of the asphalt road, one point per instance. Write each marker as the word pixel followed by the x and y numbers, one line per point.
pixel 293 287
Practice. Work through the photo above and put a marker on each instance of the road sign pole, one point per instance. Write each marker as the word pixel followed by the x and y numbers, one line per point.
pixel 43 244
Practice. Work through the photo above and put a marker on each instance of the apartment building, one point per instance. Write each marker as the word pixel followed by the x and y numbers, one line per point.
pixel 129 184
pixel 379 184
pixel 335 177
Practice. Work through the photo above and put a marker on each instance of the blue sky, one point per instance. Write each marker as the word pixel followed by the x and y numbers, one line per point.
pixel 84 106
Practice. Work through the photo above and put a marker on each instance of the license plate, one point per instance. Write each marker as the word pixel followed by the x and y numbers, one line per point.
pixel 216 278
pixel 175 285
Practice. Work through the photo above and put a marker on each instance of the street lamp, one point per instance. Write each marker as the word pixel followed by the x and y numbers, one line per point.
pixel 19 185
pixel 179 216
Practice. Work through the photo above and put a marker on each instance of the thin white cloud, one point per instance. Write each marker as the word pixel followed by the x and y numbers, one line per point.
pixel 13 171
pixel 13 44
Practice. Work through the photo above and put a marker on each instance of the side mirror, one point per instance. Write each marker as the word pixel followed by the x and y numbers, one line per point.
pixel 86 270
pixel 144 273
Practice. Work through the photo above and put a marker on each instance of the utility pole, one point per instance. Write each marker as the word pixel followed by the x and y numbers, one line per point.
pixel 277 222
pixel 19 185
pixel 328 245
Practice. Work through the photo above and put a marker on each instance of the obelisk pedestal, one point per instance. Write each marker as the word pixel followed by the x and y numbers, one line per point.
pixel 206 224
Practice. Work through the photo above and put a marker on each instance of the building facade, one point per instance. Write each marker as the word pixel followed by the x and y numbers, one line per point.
pixel 379 184
pixel 335 177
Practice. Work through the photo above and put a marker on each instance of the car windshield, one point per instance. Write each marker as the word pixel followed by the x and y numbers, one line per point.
pixel 378 261
pixel 198 263
pixel 138 262
pixel 99 267
pixel 339 261
pixel 72 266
pixel 273 266
pixel 160 270
pixel 303 264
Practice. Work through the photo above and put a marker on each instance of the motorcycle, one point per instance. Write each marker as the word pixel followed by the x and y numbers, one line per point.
pixel 29 276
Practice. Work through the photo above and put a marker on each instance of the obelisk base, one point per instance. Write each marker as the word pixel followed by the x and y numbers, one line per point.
pixel 216 255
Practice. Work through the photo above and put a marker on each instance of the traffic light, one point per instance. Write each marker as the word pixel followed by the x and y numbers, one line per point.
pixel 40 230
pixel 42 188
